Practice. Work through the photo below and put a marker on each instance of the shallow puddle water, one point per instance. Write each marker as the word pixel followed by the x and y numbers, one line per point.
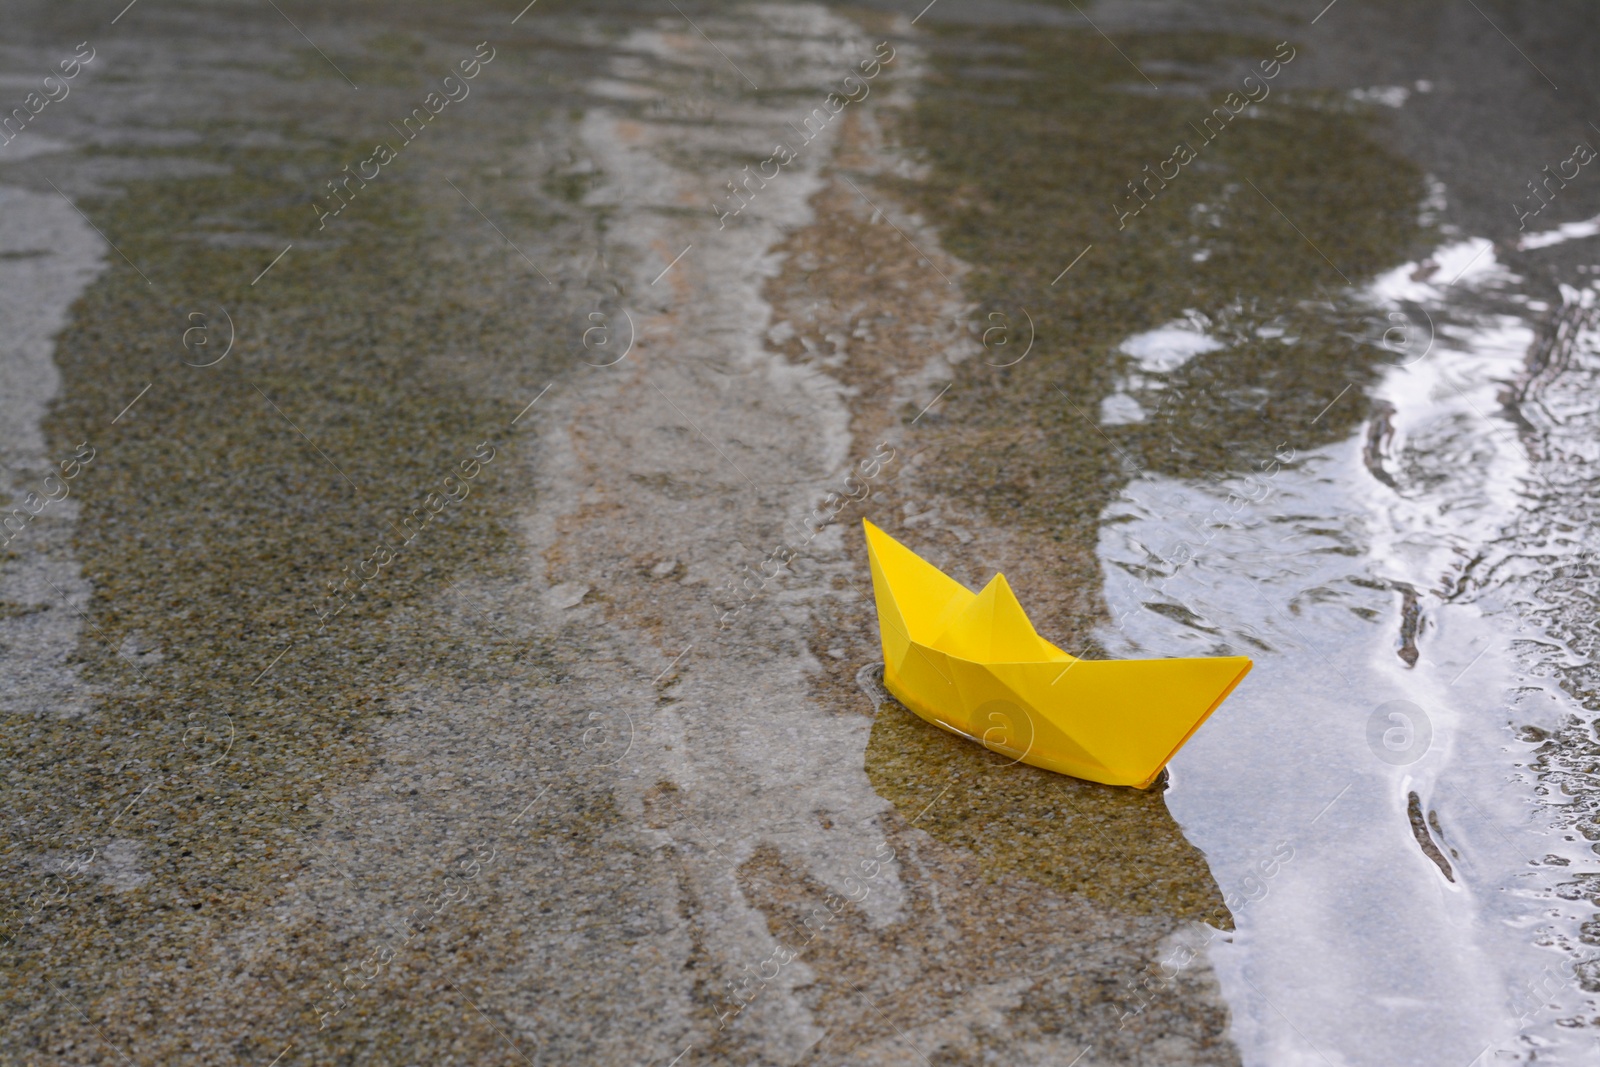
pixel 1407 594
pixel 670 293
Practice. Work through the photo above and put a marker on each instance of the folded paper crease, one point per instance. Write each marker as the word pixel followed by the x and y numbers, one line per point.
pixel 973 664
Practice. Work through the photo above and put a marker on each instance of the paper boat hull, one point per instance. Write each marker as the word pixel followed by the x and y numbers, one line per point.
pixel 1111 721
pixel 1108 724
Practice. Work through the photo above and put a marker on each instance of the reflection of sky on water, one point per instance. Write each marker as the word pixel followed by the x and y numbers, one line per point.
pixel 1157 351
pixel 1363 951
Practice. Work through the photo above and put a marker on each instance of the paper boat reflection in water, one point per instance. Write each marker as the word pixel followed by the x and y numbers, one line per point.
pixel 972 664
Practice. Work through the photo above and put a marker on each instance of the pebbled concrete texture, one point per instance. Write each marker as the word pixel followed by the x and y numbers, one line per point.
pixel 48 254
pixel 593 767
pixel 545 782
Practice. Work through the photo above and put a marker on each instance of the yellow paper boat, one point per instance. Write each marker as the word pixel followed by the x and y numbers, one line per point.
pixel 972 663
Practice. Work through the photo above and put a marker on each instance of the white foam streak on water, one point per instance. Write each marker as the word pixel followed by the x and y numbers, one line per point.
pixel 1361 951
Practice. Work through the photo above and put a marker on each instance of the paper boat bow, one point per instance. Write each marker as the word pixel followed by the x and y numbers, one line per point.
pixel 972 664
